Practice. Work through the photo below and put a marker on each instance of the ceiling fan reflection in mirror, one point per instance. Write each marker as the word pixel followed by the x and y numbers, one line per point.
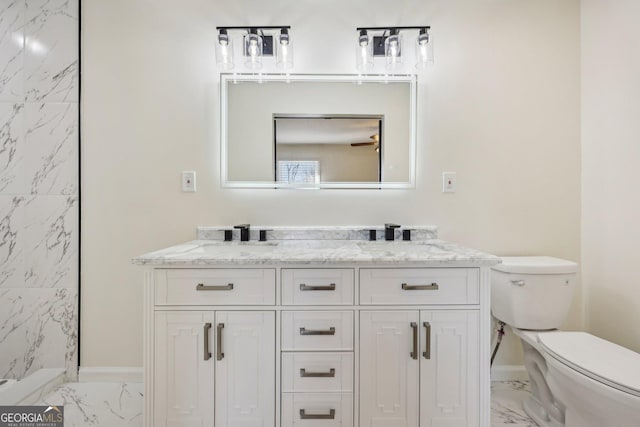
pixel 375 141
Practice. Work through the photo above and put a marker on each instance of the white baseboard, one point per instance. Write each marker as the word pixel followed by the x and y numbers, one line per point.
pixel 110 375
pixel 509 373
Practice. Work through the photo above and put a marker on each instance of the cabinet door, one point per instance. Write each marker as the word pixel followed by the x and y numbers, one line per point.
pixel 449 374
pixel 389 368
pixel 245 368
pixel 184 371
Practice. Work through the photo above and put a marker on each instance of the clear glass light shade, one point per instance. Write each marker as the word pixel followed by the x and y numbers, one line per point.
pixel 364 53
pixel 284 52
pixel 424 51
pixel 253 51
pixel 393 51
pixel 224 52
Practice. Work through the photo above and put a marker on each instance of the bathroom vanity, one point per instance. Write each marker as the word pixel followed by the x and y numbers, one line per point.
pixel 317 327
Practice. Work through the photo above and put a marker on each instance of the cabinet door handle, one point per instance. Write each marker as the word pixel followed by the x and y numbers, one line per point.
pixel 207 350
pixel 414 353
pixel 427 353
pixel 203 287
pixel 304 287
pixel 330 331
pixel 330 416
pixel 305 374
pixel 431 287
pixel 219 353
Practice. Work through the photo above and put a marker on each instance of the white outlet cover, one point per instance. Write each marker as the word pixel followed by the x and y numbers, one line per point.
pixel 449 182
pixel 189 181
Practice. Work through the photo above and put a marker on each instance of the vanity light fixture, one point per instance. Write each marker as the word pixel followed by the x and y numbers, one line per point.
pixel 424 49
pixel 255 45
pixel 284 50
pixel 224 51
pixel 364 51
pixel 253 49
pixel 393 49
pixel 389 45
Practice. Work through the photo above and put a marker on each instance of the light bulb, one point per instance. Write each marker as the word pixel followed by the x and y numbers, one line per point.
pixel 284 50
pixel 393 49
pixel 253 50
pixel 224 51
pixel 364 52
pixel 424 49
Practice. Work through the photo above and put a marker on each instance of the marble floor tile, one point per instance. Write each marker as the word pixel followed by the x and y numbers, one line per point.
pixel 506 404
pixel 120 404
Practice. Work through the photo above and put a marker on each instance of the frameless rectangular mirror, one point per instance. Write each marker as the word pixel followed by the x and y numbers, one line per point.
pixel 318 131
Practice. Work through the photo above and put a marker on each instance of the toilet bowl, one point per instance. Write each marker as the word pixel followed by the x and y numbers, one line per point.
pixel 577 379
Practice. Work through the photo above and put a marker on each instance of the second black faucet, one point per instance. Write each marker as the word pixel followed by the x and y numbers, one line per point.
pixel 244 231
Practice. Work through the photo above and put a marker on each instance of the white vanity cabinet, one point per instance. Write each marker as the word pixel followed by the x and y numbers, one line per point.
pixel 317 345
pixel 213 367
pixel 419 367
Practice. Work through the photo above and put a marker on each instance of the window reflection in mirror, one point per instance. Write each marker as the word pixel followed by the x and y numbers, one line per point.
pixel 314 149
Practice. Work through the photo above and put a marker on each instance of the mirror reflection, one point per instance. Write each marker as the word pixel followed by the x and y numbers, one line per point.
pixel 311 150
pixel 321 131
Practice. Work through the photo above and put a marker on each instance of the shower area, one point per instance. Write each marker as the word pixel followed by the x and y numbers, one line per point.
pixel 39 195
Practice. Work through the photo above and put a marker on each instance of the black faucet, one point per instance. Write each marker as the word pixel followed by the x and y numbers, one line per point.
pixel 389 231
pixel 244 232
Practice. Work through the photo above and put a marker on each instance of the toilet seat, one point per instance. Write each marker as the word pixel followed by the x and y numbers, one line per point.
pixel 600 360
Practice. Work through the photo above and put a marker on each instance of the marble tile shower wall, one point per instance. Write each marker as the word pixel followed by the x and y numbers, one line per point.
pixel 39 177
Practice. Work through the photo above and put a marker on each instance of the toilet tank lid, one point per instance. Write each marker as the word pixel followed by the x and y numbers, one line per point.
pixel 536 265
pixel 599 359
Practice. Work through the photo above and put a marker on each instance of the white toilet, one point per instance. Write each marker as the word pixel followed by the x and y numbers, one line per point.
pixel 577 379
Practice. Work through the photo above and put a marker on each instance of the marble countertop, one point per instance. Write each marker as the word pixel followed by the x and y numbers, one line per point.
pixel 421 253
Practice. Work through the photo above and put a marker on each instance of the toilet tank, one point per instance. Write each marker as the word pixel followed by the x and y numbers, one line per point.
pixel 532 292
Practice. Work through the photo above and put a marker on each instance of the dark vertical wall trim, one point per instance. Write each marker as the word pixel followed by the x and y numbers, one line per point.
pixel 79 174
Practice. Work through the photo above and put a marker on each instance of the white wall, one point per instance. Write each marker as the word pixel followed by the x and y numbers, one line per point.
pixel 610 171
pixel 500 107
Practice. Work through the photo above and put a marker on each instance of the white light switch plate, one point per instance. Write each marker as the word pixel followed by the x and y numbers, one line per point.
pixel 189 181
pixel 449 182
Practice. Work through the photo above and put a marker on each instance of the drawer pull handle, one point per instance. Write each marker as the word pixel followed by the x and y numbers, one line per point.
pixel 427 353
pixel 207 350
pixel 305 374
pixel 414 352
pixel 331 287
pixel 305 331
pixel 330 416
pixel 431 287
pixel 219 352
pixel 203 287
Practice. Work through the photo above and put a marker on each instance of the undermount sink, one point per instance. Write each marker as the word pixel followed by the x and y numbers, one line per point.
pixel 222 249
pixel 395 245
pixel 240 244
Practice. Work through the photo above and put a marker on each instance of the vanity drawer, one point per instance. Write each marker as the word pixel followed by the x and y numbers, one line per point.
pixel 317 410
pixel 317 330
pixel 318 286
pixel 317 372
pixel 412 286
pixel 220 286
